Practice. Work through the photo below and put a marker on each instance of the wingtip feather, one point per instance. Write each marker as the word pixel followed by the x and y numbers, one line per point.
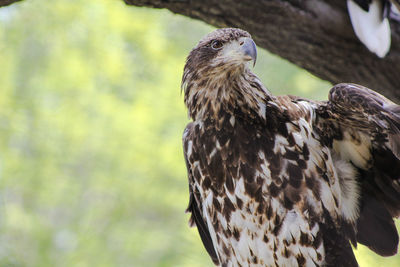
pixel 370 27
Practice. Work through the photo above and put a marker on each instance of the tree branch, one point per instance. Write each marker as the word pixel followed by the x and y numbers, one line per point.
pixel 314 34
pixel 7 2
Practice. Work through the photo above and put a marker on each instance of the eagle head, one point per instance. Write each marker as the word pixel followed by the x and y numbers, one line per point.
pixel 216 72
pixel 222 50
pixel 217 75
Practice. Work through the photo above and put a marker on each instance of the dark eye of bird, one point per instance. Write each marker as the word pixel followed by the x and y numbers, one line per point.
pixel 216 44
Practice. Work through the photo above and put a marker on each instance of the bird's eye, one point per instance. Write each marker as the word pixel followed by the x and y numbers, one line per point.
pixel 216 45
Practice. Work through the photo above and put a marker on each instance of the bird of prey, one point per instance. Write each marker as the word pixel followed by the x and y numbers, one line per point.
pixel 282 180
pixel 370 20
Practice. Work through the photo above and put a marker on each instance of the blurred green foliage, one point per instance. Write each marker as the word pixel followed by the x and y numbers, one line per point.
pixel 91 117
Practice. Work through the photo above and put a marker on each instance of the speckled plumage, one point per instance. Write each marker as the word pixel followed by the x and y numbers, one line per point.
pixel 284 181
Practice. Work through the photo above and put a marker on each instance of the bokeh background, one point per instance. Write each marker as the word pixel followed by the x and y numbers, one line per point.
pixel 91 118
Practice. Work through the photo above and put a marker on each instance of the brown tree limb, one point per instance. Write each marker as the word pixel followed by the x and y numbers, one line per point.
pixel 313 34
pixel 7 2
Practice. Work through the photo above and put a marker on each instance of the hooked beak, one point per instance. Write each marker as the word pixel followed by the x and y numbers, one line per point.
pixel 249 49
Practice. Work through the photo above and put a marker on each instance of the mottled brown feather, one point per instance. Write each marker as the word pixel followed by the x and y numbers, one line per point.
pixel 286 181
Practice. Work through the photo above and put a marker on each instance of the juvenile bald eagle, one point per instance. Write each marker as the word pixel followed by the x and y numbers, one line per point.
pixel 281 180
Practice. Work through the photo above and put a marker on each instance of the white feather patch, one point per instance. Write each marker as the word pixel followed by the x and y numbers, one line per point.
pixel 350 191
pixel 369 27
pixel 358 154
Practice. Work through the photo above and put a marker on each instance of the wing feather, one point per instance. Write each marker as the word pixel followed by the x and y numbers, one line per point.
pixel 367 126
pixel 367 111
pixel 196 218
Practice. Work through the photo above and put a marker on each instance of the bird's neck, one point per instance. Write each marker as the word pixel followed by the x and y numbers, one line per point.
pixel 238 91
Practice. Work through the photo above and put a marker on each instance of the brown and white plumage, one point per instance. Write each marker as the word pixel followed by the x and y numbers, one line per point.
pixel 284 181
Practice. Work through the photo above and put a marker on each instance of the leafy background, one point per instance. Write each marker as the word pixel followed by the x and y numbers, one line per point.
pixel 91 117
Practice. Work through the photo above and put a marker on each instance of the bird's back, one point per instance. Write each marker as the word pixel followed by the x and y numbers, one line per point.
pixel 266 187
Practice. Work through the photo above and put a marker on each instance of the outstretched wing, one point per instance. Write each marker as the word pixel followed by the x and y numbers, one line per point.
pixel 194 207
pixel 365 131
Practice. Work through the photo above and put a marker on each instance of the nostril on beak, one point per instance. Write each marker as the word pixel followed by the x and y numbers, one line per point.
pixel 241 43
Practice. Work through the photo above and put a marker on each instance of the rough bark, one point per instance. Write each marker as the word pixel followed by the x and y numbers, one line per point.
pixel 313 34
pixel 7 2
